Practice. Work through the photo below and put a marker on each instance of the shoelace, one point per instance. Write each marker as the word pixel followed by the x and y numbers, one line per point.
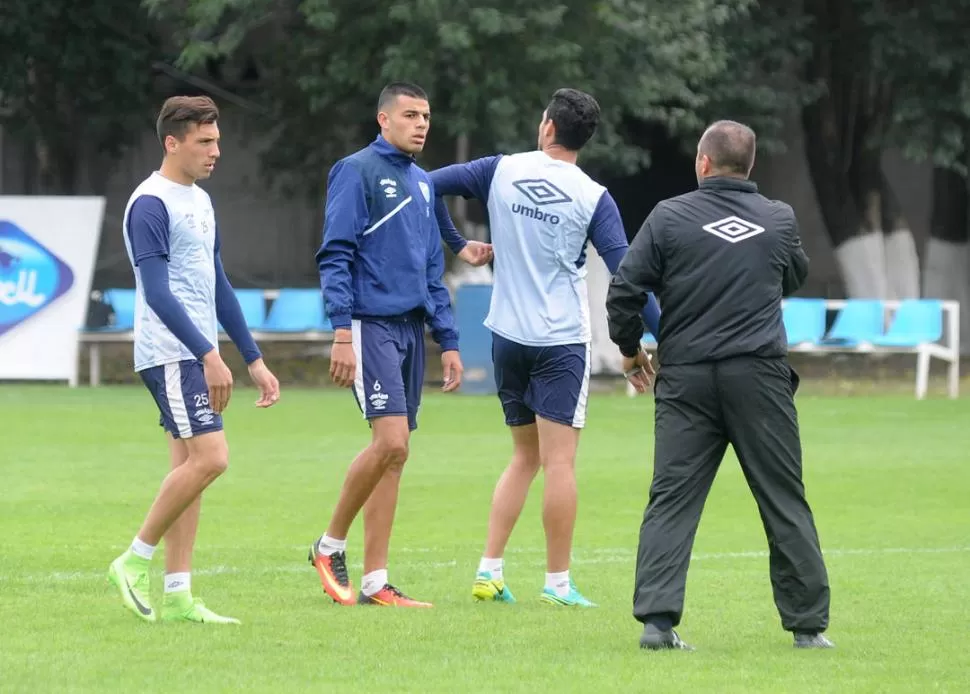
pixel 338 562
pixel 396 592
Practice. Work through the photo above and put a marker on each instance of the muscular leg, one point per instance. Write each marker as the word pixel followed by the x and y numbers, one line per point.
pixel 208 457
pixel 180 538
pixel 512 489
pixel 390 442
pixel 557 453
pixel 388 449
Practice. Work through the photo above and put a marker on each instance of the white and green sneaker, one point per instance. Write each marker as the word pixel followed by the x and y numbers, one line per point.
pixel 130 574
pixel 572 599
pixel 180 606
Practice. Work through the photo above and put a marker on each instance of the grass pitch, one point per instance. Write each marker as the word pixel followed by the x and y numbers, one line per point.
pixel 886 476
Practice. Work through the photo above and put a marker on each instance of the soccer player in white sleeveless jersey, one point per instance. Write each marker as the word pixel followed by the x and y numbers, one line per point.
pixel 543 210
pixel 182 295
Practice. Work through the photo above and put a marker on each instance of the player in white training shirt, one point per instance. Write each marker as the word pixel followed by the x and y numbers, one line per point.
pixel 542 211
pixel 182 295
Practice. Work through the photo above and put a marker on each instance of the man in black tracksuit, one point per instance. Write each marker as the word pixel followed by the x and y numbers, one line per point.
pixel 720 259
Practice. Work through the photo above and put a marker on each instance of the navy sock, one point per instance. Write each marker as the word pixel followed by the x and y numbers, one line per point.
pixel 661 621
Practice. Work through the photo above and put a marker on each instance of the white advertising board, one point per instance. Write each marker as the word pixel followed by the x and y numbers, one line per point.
pixel 48 247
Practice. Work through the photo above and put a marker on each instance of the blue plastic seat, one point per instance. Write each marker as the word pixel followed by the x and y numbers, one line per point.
pixel 253 305
pixel 804 320
pixel 917 321
pixel 122 301
pixel 860 320
pixel 297 311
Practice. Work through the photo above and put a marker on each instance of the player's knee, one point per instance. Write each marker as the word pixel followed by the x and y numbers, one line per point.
pixel 527 458
pixel 213 459
pixel 394 451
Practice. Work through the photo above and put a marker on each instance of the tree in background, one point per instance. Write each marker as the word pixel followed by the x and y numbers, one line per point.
pixel 75 81
pixel 932 124
pixel 489 66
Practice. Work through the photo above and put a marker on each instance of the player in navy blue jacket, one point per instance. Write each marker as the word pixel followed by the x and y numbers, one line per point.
pixel 381 269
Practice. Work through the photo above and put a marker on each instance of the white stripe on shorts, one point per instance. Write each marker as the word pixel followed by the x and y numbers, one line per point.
pixel 176 402
pixel 359 372
pixel 579 417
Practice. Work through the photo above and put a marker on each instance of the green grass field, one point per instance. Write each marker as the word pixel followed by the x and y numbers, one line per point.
pixel 888 478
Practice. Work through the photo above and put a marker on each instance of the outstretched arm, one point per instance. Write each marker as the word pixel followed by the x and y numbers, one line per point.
pixel 469 180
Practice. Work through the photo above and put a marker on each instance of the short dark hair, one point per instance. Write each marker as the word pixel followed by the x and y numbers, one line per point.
pixel 730 146
pixel 395 89
pixel 575 115
pixel 179 112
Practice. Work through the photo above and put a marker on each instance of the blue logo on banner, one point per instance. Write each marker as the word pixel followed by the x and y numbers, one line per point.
pixel 31 277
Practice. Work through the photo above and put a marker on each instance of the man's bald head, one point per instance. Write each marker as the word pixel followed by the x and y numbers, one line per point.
pixel 729 146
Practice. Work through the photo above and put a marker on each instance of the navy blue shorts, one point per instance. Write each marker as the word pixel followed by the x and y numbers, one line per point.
pixel 552 382
pixel 390 366
pixel 182 397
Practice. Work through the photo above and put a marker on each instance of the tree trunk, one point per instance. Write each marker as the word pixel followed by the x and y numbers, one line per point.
pixel 902 259
pixel 947 256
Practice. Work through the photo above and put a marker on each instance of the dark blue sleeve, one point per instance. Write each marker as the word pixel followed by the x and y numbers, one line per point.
pixel 470 180
pixel 229 312
pixel 442 320
pixel 159 297
pixel 148 228
pixel 345 218
pixel 606 226
pixel 148 235
pixel 609 239
pixel 456 242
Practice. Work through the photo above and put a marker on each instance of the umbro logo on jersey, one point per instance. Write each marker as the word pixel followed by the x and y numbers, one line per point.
pixel 541 192
pixel 733 229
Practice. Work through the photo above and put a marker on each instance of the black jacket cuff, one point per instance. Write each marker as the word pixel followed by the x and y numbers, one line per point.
pixel 630 350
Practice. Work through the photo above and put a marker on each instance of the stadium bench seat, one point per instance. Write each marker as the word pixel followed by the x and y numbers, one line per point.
pixel 860 321
pixel 253 305
pixel 917 322
pixel 804 320
pixel 297 311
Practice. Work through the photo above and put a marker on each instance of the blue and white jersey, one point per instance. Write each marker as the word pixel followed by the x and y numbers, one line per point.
pixel 175 221
pixel 542 212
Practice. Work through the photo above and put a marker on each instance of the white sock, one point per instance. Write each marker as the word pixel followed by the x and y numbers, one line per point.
pixel 142 549
pixel 178 582
pixel 328 545
pixel 492 566
pixel 559 583
pixel 372 583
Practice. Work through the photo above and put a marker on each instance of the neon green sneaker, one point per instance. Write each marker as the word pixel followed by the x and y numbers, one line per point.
pixel 129 574
pixel 180 606
pixel 492 589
